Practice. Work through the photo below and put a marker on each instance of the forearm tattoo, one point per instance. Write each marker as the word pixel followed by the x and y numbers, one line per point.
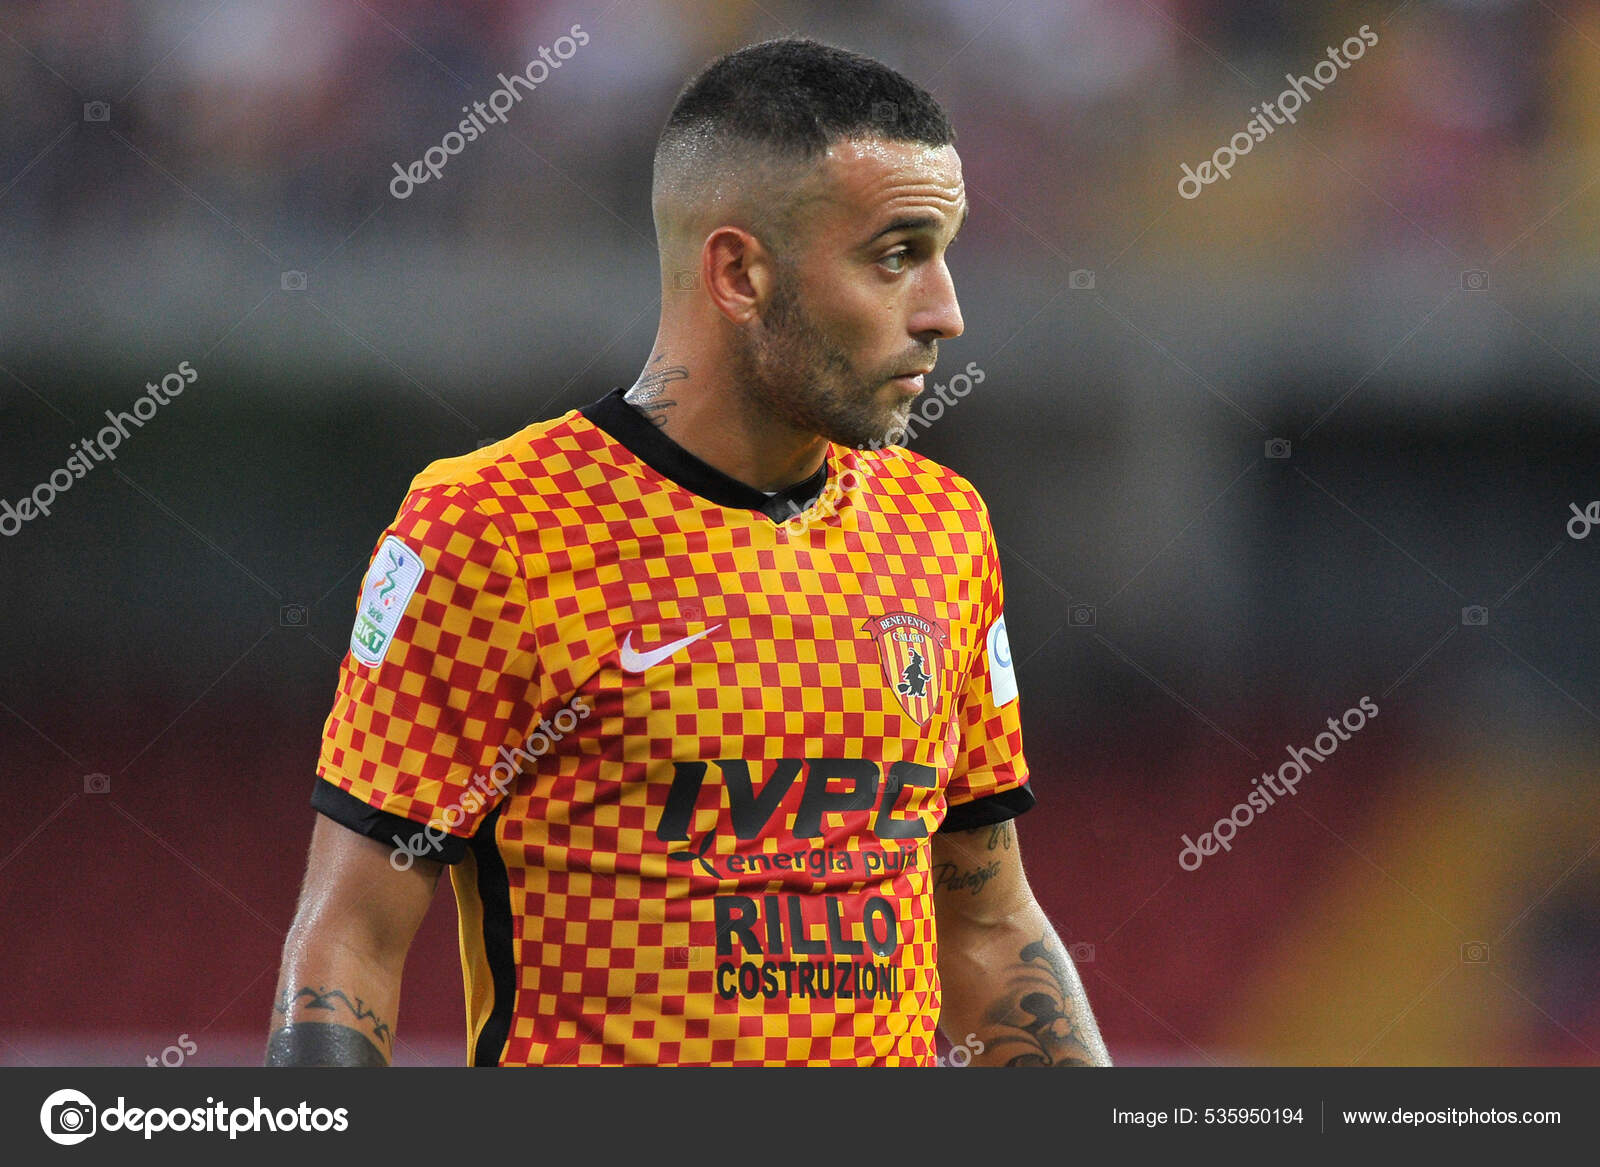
pixel 318 1036
pixel 317 1043
pixel 952 877
pixel 1042 1017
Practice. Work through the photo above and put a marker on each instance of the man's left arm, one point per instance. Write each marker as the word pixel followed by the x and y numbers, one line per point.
pixel 1007 977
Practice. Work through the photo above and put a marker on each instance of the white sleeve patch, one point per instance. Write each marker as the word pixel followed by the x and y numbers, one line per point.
pixel 391 582
pixel 1002 680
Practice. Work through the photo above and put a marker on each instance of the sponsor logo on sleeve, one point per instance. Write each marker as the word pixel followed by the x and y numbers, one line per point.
pixel 391 582
pixel 1002 680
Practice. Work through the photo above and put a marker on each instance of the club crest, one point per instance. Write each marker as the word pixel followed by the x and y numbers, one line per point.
pixel 911 651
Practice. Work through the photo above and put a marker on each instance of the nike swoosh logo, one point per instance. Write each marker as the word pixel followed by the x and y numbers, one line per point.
pixel 638 662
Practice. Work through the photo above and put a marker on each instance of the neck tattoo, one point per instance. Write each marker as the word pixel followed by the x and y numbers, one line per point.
pixel 645 394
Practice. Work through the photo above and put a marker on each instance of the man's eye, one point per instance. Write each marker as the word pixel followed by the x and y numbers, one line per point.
pixel 896 260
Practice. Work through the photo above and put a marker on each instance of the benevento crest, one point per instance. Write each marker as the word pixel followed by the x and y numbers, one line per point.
pixel 911 650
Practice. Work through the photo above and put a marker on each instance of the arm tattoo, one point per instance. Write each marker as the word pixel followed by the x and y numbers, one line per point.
pixel 949 877
pixel 327 1000
pixel 645 394
pixel 317 1043
pixel 1042 1010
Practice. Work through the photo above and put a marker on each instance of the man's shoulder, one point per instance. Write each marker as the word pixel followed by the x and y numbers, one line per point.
pixel 906 473
pixel 514 485
pixel 520 458
pixel 522 473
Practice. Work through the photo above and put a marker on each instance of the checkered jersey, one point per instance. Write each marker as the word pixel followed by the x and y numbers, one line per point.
pixel 685 760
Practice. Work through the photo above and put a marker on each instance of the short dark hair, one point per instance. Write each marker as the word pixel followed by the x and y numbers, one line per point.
pixel 795 97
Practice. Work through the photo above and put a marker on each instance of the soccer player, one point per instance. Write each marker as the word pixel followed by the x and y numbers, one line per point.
pixel 702 692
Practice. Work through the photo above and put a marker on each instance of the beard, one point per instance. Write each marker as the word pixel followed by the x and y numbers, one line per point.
pixel 790 369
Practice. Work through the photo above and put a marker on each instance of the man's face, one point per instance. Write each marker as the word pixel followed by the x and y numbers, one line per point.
pixel 862 295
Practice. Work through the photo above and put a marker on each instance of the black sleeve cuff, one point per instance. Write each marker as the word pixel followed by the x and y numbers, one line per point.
pixel 985 812
pixel 401 833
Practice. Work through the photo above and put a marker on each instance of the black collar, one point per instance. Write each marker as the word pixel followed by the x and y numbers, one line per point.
pixel 663 455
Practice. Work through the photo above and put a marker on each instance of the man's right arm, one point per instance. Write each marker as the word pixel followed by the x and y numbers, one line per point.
pixel 339 988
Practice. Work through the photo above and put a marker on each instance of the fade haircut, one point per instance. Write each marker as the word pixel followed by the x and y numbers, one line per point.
pixel 746 131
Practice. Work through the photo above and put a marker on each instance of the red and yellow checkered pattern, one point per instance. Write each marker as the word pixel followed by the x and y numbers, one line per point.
pixel 692 852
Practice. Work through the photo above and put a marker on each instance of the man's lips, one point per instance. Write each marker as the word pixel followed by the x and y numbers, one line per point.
pixel 910 381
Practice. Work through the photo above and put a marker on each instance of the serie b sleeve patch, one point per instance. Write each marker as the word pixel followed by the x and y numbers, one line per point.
pixel 391 582
pixel 1002 680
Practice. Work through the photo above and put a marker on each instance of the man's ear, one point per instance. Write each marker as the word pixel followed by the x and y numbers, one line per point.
pixel 737 273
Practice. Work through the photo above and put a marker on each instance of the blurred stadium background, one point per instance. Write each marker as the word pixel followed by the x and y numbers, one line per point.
pixel 1184 606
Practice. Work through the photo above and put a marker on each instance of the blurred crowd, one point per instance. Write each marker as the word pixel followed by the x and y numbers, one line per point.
pixel 1470 120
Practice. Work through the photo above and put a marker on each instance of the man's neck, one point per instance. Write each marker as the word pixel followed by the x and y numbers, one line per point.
pixel 709 419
